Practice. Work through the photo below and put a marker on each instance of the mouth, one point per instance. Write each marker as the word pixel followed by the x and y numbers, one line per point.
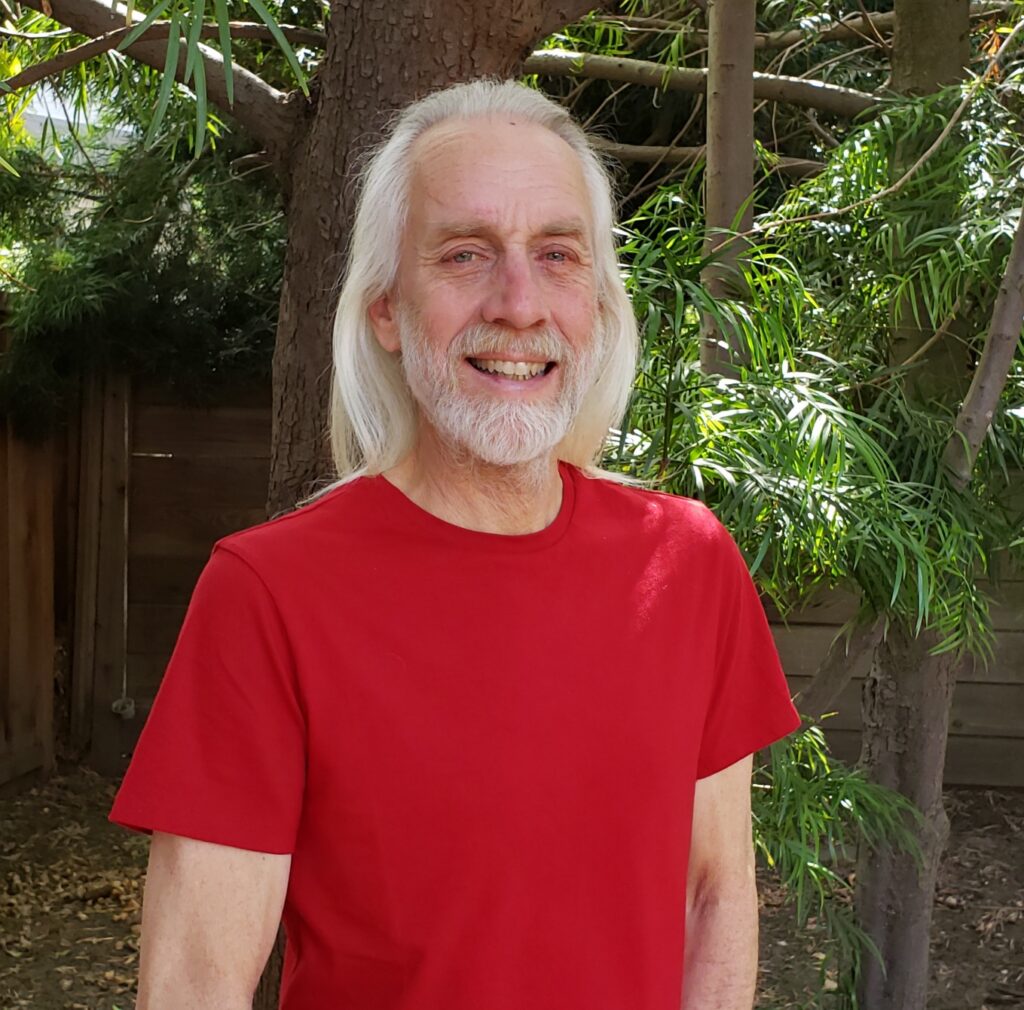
pixel 505 368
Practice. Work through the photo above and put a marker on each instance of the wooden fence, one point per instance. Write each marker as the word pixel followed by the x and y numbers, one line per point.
pixel 159 482
pixel 27 638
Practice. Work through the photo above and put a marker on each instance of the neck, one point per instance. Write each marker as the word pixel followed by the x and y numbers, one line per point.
pixel 467 492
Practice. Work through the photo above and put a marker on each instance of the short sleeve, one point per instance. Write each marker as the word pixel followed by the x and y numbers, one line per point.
pixel 750 704
pixel 221 757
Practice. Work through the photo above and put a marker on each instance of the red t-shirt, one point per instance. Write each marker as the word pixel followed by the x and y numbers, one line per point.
pixel 480 749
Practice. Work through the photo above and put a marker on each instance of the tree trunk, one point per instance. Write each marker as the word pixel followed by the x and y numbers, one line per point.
pixel 906 703
pixel 729 173
pixel 380 56
pixel 908 695
pixel 931 44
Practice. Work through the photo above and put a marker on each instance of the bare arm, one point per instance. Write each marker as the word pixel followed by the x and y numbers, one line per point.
pixel 209 919
pixel 721 895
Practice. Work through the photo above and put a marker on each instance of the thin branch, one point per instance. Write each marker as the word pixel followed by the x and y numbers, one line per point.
pixel 854 28
pixel 795 90
pixel 836 669
pixel 648 155
pixel 12 34
pixel 73 132
pixel 1004 334
pixel 826 136
pixel 158 31
pixel 17 280
pixel 262 110
pixel 899 184
pixel 934 338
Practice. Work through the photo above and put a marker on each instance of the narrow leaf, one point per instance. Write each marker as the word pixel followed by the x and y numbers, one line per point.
pixel 289 54
pixel 155 13
pixel 220 13
pixel 167 82
pixel 192 41
pixel 200 89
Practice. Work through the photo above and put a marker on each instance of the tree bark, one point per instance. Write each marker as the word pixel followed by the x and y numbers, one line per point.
pixel 770 87
pixel 906 703
pixel 729 173
pixel 836 669
pixel 379 56
pixel 647 154
pixel 931 44
pixel 908 695
pixel 979 406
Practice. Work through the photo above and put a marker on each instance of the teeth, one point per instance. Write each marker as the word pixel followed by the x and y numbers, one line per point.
pixel 511 369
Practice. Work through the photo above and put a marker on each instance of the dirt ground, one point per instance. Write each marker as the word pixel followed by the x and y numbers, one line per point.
pixel 71 889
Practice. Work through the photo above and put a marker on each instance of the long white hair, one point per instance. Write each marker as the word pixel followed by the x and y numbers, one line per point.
pixel 372 412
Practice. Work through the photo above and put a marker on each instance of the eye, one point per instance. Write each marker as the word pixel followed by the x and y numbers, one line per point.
pixel 557 255
pixel 462 256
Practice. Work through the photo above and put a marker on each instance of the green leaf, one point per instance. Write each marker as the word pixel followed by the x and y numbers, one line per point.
pixel 195 26
pixel 220 12
pixel 200 89
pixel 167 82
pixel 152 16
pixel 289 54
pixel 8 167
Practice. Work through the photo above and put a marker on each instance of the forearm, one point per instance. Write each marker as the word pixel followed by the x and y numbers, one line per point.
pixel 720 969
pixel 188 996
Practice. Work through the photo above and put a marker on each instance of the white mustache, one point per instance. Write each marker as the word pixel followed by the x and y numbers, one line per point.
pixel 484 339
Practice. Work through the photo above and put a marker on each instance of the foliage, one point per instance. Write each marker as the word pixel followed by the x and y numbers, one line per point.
pixel 820 456
pixel 130 92
pixel 811 817
pixel 122 258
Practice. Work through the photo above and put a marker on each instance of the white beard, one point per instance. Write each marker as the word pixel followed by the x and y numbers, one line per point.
pixel 490 429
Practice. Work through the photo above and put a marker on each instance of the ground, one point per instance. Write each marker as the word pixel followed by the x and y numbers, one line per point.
pixel 71 888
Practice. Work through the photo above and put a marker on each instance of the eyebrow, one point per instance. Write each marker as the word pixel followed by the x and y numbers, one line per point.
pixel 572 227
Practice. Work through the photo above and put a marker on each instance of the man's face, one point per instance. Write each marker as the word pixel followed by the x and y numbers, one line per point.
pixel 495 305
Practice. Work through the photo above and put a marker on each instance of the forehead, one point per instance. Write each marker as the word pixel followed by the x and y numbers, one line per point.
pixel 511 175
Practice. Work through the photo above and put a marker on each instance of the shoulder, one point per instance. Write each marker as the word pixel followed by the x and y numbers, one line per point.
pixel 657 512
pixel 326 523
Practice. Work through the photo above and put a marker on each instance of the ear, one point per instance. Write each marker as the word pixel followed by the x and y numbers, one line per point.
pixel 381 314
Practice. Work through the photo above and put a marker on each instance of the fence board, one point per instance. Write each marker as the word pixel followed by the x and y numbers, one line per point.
pixel 161 531
pixel 802 648
pixel 970 761
pixel 29 643
pixel 218 432
pixel 153 628
pixel 163 580
pixel 978 709
pixel 112 737
pixel 83 653
pixel 197 483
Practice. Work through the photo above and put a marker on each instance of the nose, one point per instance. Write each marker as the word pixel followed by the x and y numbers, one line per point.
pixel 515 298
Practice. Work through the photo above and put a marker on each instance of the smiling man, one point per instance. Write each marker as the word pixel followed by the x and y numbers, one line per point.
pixel 477 721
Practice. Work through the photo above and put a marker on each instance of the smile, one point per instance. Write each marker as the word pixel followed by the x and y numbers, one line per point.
pixel 521 370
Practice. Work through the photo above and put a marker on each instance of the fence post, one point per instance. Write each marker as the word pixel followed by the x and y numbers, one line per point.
pixel 27 634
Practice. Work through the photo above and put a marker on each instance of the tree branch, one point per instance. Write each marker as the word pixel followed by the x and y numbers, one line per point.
pixel 853 28
pixel 793 90
pixel 837 668
pixel 159 31
pixel 262 110
pixel 652 155
pixel 1004 333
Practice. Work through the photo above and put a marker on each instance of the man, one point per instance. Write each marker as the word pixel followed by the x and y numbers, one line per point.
pixel 478 719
